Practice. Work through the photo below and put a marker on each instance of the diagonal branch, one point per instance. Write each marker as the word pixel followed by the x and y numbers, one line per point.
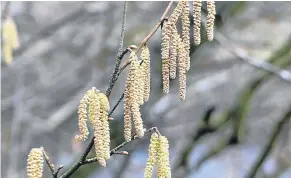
pixel 267 149
pixel 258 63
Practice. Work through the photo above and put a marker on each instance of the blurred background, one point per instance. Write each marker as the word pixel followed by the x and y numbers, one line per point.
pixel 219 131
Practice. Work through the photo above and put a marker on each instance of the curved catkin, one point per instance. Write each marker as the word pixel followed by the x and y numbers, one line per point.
pixel 176 13
pixel 186 31
pixel 197 21
pixel 210 19
pixel 35 163
pixel 173 53
pixel 145 56
pixel 182 69
pixel 82 119
pixel 104 109
pixel 164 169
pixel 152 156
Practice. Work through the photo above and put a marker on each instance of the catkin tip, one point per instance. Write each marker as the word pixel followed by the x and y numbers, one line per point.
pixel 35 163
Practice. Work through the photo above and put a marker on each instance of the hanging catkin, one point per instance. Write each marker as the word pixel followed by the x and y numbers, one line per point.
pixel 182 69
pixel 145 56
pixel 152 156
pixel 210 19
pixel 104 109
pixel 165 56
pixel 197 21
pixel 173 53
pixel 164 169
pixel 186 31
pixel 10 39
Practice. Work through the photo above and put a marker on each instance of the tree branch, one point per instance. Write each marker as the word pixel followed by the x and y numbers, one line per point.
pixel 82 159
pixel 267 149
pixel 114 151
pixel 258 63
pixel 115 75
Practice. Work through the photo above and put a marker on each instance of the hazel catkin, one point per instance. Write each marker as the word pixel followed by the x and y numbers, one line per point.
pixel 210 19
pixel 35 163
pixel 152 155
pixel 197 21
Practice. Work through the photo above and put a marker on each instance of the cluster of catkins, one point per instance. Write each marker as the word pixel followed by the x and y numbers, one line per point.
pixel 158 154
pixel 176 47
pixel 137 91
pixel 98 108
pixel 35 163
pixel 10 39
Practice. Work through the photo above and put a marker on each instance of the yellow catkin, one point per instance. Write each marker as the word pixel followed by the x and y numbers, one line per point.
pixel 186 31
pixel 176 13
pixel 141 84
pixel 130 95
pixel 152 156
pixel 82 119
pixel 94 105
pixel 197 21
pixel 164 169
pixel 98 142
pixel 35 163
pixel 104 109
pixel 10 39
pixel 173 53
pixel 210 19
pixel 137 120
pixel 145 56
pixel 182 69
pixel 165 56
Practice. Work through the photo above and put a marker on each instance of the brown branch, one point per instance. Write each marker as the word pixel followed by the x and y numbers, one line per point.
pixel 146 39
pixel 82 159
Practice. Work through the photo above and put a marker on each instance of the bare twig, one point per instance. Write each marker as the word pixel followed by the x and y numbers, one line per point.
pixel 267 149
pixel 115 75
pixel 48 162
pixel 258 63
pixel 82 159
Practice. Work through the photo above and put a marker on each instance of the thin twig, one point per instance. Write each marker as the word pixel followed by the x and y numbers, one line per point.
pixel 258 63
pixel 115 150
pixel 47 160
pixel 115 106
pixel 82 159
pixel 114 76
pixel 153 31
pixel 267 149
